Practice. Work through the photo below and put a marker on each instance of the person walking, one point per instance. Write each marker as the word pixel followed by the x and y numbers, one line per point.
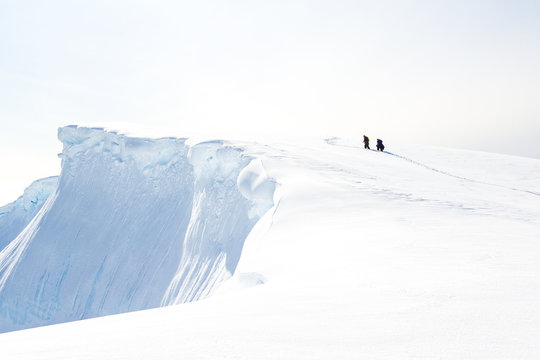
pixel 366 142
pixel 380 145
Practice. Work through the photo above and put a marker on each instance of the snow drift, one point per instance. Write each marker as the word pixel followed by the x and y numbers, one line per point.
pixel 134 223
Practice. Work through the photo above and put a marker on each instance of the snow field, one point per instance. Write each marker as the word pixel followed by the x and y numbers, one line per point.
pixel 408 254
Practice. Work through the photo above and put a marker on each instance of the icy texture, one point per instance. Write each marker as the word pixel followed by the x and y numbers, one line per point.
pixel 15 216
pixel 135 223
pixel 413 253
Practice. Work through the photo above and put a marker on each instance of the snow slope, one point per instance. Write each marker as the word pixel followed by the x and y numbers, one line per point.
pixel 418 252
pixel 134 223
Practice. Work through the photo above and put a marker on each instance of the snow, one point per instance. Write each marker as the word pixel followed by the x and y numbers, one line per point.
pixel 418 252
pixel 15 216
pixel 135 223
pixel 255 185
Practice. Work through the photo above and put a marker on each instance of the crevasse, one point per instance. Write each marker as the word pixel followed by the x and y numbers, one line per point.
pixel 134 223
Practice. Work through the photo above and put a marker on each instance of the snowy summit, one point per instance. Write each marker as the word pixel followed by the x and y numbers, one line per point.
pixel 281 249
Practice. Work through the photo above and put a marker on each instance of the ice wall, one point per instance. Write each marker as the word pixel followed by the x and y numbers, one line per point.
pixel 15 216
pixel 135 223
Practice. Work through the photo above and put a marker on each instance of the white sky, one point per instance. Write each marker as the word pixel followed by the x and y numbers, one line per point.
pixel 450 73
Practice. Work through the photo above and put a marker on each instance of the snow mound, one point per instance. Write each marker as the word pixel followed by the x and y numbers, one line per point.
pixel 135 223
pixel 255 185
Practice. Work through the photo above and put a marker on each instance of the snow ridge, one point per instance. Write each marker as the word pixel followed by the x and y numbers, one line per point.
pixel 334 141
pixel 135 223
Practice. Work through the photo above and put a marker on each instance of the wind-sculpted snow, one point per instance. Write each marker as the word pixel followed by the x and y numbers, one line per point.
pixel 437 247
pixel 135 223
pixel 15 216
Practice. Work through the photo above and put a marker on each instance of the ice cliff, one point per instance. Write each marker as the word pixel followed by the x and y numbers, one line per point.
pixel 15 216
pixel 133 223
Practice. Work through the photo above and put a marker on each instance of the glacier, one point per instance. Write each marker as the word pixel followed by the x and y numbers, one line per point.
pixel 131 223
pixel 415 252
pixel 15 216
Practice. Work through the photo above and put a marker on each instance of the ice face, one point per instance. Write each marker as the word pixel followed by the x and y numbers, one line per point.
pixel 134 223
pixel 16 216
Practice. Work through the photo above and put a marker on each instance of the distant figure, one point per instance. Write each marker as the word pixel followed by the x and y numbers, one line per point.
pixel 380 145
pixel 366 142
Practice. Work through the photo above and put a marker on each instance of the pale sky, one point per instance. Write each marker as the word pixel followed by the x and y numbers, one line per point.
pixel 462 74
